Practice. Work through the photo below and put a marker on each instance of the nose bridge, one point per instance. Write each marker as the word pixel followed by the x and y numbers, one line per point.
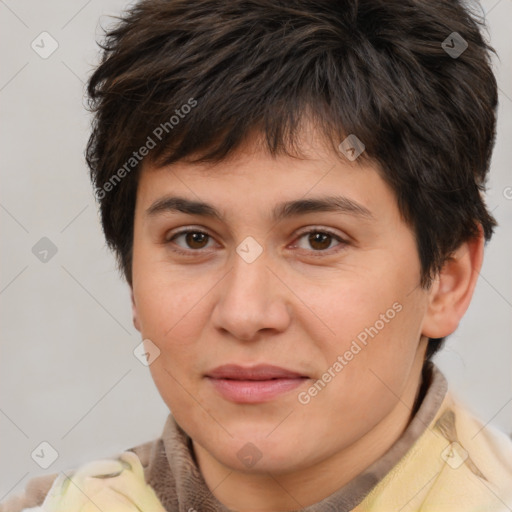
pixel 251 297
pixel 250 261
pixel 249 280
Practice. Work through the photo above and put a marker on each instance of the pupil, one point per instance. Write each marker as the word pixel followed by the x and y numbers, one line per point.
pixel 192 238
pixel 319 238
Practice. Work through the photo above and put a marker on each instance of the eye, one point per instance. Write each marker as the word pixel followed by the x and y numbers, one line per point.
pixel 194 239
pixel 320 240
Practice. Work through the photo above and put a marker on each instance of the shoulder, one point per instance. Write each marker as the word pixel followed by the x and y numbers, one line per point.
pixel 473 461
pixel 39 487
pixel 458 463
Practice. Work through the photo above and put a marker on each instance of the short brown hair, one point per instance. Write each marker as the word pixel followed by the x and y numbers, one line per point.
pixel 373 68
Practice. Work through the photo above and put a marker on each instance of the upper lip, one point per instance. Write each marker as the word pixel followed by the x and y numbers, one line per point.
pixel 258 372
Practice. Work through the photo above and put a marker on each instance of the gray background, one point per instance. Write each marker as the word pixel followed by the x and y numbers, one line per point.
pixel 68 375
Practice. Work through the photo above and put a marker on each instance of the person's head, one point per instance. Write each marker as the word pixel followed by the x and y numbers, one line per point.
pixel 249 104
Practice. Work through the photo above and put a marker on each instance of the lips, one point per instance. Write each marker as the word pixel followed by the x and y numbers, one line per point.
pixel 259 372
pixel 255 384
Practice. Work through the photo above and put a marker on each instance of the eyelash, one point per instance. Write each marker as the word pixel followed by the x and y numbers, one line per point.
pixel 319 253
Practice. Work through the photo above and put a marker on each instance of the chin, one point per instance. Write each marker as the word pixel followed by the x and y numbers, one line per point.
pixel 256 452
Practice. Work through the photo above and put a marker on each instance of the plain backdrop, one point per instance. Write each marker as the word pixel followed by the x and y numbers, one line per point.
pixel 68 374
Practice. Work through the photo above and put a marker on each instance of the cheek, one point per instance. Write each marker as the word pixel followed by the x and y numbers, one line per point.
pixel 173 313
pixel 173 322
pixel 375 328
pixel 169 308
pixel 362 389
pixel 356 308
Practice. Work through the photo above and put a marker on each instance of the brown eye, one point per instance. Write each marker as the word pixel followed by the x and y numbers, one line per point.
pixel 319 241
pixel 194 240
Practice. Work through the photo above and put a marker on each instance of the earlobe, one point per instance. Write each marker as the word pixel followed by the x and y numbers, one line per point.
pixel 134 311
pixel 452 290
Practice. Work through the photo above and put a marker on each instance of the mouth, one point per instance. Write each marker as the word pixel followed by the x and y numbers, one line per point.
pixel 255 384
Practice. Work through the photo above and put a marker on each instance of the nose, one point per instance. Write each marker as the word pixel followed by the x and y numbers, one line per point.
pixel 252 299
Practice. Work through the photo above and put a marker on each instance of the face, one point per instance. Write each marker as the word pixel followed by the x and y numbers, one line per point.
pixel 329 296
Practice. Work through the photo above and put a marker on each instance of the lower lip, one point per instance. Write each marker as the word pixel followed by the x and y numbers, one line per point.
pixel 254 391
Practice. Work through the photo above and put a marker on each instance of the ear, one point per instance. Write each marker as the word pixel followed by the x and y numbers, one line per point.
pixel 452 290
pixel 134 311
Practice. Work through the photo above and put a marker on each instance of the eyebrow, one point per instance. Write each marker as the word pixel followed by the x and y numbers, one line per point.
pixel 339 204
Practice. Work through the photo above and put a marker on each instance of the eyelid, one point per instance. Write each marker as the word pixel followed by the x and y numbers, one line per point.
pixel 320 229
pixel 185 230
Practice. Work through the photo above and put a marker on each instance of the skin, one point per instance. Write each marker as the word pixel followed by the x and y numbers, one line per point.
pixel 299 305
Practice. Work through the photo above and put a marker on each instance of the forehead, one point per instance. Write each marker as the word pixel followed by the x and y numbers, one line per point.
pixel 250 191
pixel 283 185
